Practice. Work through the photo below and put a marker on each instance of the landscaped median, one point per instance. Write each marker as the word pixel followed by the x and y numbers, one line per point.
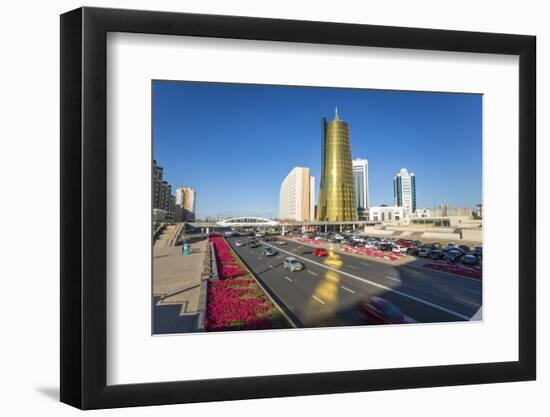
pixel 467 271
pixel 235 301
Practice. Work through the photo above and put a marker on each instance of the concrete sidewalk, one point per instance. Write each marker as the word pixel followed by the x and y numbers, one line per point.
pixel 177 286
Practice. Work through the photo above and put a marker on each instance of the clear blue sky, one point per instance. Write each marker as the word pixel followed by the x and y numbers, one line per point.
pixel 234 143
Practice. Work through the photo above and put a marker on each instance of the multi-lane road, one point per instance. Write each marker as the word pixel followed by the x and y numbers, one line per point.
pixel 326 291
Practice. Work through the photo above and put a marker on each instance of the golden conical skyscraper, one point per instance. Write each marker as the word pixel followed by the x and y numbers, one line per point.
pixel 336 189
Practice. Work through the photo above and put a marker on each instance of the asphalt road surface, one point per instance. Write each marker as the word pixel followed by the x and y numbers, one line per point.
pixel 326 291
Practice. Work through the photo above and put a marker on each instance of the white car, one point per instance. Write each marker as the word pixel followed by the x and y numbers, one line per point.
pixel 292 264
pixel 338 237
pixel 398 249
pixel 239 243
pixel 359 239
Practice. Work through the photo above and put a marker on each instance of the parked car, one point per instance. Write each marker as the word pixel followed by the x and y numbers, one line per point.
pixel 359 239
pixel 478 251
pixel 380 311
pixel 239 243
pixel 269 251
pixel 280 242
pixel 413 251
pixel 292 264
pixel 259 234
pixel 268 238
pixel 424 252
pixel 465 248
pixel 470 260
pixel 385 246
pixel 436 254
pixel 320 252
pixel 399 249
pixel 253 243
pixel 453 255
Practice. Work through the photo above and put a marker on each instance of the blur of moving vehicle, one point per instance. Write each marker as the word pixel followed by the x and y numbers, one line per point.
pixel 380 311
pixel 252 243
pixel 239 243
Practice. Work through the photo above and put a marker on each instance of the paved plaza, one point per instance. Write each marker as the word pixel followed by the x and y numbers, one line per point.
pixel 177 286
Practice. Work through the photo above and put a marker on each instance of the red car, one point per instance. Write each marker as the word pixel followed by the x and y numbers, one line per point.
pixel 380 311
pixel 320 252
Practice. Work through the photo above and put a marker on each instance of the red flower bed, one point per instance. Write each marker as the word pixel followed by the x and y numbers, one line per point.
pixel 456 269
pixel 228 266
pixel 235 305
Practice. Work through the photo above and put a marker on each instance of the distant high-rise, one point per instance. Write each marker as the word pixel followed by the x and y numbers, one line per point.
pixel 336 188
pixel 163 200
pixel 185 204
pixel 361 180
pixel 404 191
pixel 297 196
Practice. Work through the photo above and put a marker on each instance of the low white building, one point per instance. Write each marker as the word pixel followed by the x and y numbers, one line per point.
pixel 423 213
pixel 386 213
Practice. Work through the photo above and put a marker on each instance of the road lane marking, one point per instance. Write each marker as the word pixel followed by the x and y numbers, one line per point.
pixel 271 266
pixel 352 266
pixel 364 263
pixel 467 301
pixel 384 287
pixel 393 278
pixel 318 299
pixel 311 272
pixel 288 279
pixel 347 289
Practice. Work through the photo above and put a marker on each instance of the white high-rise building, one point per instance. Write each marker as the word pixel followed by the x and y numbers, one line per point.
pixel 297 196
pixel 361 178
pixel 404 191
pixel 185 204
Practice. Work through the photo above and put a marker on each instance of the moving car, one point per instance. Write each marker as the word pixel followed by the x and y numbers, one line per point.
pixel 239 243
pixel 252 243
pixel 320 252
pixel 470 260
pixel 380 311
pixel 292 264
pixel 269 252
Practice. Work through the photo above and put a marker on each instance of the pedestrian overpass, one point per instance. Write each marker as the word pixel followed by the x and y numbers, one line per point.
pixel 263 222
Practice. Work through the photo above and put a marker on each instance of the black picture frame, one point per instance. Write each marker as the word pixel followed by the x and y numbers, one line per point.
pixel 84 207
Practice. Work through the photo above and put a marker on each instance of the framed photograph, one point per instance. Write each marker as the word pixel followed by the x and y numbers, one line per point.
pixel 256 208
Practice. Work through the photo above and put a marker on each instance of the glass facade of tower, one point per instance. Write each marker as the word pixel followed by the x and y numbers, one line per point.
pixel 404 191
pixel 336 190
